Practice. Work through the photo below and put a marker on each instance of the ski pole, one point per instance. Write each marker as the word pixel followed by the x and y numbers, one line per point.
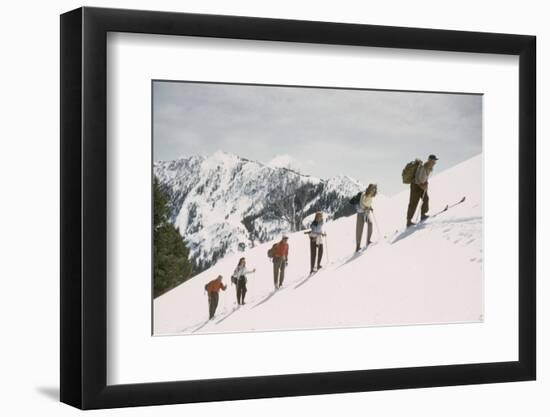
pixel 376 224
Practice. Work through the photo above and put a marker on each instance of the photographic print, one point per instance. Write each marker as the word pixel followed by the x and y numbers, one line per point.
pixel 282 208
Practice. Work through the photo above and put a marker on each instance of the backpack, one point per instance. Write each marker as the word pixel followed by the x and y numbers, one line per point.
pixel 355 199
pixel 409 172
pixel 271 251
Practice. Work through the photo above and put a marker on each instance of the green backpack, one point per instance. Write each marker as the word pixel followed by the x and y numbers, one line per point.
pixel 355 199
pixel 409 172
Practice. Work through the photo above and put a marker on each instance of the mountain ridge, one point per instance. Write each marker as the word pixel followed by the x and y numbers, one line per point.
pixel 223 203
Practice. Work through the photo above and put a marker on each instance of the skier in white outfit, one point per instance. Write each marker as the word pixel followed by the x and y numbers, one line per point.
pixel 239 279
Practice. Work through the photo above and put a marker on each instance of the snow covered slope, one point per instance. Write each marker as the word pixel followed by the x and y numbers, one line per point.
pixel 224 200
pixel 431 273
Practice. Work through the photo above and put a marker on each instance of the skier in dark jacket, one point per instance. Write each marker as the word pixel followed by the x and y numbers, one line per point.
pixel 316 242
pixel 419 190
pixel 240 280
pixel 213 288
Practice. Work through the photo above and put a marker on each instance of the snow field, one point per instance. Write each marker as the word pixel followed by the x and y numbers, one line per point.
pixel 431 273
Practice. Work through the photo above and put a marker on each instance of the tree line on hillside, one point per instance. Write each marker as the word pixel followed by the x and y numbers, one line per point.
pixel 171 264
pixel 293 207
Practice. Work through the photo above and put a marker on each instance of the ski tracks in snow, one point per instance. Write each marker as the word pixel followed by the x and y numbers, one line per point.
pixel 456 230
pixel 295 284
pixel 218 318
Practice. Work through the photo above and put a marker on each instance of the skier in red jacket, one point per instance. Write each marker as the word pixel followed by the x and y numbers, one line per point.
pixel 280 261
pixel 213 288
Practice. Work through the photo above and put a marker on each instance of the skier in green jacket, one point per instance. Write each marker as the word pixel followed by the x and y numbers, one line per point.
pixel 419 190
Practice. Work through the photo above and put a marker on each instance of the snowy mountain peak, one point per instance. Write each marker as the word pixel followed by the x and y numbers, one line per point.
pixel 222 158
pixel 224 202
pixel 343 182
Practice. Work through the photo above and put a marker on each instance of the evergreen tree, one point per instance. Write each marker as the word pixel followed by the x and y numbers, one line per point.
pixel 171 265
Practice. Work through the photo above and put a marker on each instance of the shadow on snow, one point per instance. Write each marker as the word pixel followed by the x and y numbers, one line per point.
pixel 201 326
pixel 265 299
pixel 408 231
pixel 304 280
pixel 355 256
pixel 227 315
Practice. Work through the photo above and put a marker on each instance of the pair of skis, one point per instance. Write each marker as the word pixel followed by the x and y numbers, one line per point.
pixel 447 207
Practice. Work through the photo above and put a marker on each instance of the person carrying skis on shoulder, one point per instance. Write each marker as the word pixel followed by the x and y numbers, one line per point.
pixel 364 209
pixel 240 280
pixel 316 241
pixel 419 190
pixel 213 288
pixel 280 261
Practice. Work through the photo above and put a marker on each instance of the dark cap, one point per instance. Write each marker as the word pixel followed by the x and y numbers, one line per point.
pixel 432 157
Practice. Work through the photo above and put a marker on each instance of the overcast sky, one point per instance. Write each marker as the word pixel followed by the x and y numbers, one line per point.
pixel 368 135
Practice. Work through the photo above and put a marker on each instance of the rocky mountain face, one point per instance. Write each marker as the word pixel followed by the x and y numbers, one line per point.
pixel 224 203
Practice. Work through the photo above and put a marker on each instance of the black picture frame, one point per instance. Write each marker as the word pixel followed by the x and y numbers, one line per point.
pixel 84 207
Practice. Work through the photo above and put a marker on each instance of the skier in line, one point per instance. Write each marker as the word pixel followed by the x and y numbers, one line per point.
pixel 316 241
pixel 213 288
pixel 419 190
pixel 364 209
pixel 280 261
pixel 240 280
